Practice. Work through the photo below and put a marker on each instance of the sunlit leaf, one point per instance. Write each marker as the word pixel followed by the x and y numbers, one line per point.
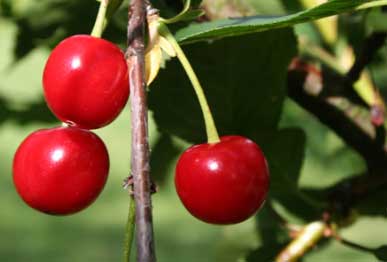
pixel 247 25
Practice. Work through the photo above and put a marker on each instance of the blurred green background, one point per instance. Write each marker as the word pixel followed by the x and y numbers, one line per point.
pixel 96 234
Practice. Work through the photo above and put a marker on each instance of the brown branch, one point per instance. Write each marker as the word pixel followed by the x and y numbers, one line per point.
pixel 349 193
pixel 351 244
pixel 367 144
pixel 308 88
pixel 367 140
pixel 371 46
pixel 139 120
pixel 343 85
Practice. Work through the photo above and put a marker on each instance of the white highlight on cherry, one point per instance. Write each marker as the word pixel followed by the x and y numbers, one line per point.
pixel 76 63
pixel 213 165
pixel 57 155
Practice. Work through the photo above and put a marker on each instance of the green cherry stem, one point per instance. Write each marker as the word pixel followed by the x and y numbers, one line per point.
pixel 129 232
pixel 100 21
pixel 212 133
pixel 176 18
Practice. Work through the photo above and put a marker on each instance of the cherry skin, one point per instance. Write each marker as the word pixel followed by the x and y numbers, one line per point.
pixel 61 170
pixel 85 81
pixel 224 182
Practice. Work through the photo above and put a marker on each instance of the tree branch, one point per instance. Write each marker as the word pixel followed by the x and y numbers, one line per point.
pixel 371 46
pixel 139 120
pixel 367 140
pixel 352 132
pixel 307 238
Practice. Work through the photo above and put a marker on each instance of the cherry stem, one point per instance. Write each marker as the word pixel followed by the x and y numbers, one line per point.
pixel 129 232
pixel 100 21
pixel 212 133
pixel 176 18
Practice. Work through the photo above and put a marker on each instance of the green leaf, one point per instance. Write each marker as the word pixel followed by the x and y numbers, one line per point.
pixel 163 154
pixel 376 20
pixel 113 7
pixel 285 170
pixel 245 86
pixel 31 113
pixel 247 25
pixel 244 81
pixel 269 227
pixel 265 253
pixel 372 204
pixel 47 22
pixel 285 167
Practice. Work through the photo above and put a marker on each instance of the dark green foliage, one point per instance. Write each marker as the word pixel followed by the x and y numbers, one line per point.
pixel 239 26
pixel 45 23
pixel 33 112
pixel 245 100
pixel 245 93
pixel 163 155
pixel 285 170
pixel 381 253
pixel 265 253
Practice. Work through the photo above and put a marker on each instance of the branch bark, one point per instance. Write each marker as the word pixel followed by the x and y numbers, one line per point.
pixel 140 168
pixel 367 144
pixel 371 46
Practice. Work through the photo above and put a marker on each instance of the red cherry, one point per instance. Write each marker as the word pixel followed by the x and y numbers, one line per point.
pixel 60 170
pixel 86 81
pixel 223 183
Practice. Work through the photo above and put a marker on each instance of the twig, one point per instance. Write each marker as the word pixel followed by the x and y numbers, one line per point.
pixel 350 131
pixel 371 46
pixel 139 120
pixel 315 51
pixel 369 143
pixel 308 237
pixel 352 244
pixel 355 84
pixel 350 192
pixel 129 230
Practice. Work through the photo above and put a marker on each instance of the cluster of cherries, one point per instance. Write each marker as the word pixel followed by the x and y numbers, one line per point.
pixel 62 170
